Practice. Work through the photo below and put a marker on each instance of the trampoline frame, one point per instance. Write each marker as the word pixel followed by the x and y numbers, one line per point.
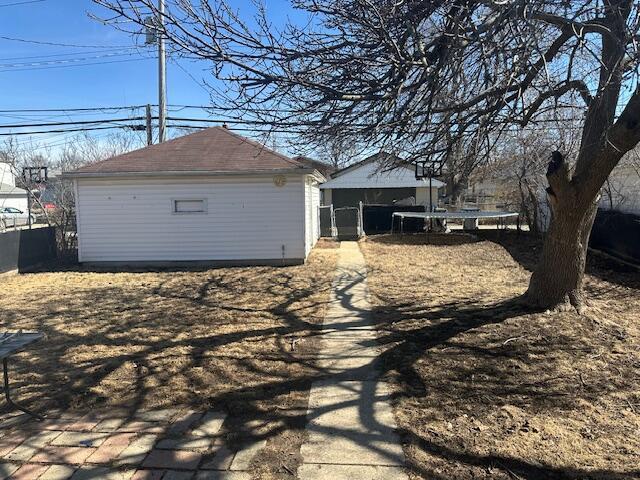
pixel 499 216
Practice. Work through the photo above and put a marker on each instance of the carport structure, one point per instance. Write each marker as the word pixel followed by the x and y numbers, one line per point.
pixel 370 181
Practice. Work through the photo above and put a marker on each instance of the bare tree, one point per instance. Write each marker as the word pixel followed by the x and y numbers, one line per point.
pixel 426 75
pixel 460 162
pixel 82 150
pixel 517 169
pixel 78 151
pixel 21 155
pixel 338 153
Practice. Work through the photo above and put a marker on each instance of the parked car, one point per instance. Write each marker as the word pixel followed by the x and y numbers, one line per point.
pixel 13 217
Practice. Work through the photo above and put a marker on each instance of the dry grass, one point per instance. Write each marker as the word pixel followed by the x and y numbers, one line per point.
pixel 489 391
pixel 234 339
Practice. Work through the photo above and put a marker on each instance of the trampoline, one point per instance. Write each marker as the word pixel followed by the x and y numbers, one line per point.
pixel 464 215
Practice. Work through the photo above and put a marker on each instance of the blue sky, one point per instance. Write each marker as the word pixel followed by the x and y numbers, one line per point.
pixel 130 77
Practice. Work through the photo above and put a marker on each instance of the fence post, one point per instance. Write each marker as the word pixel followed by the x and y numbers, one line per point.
pixel 334 232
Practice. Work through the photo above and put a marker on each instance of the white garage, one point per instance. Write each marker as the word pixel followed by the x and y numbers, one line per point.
pixel 212 196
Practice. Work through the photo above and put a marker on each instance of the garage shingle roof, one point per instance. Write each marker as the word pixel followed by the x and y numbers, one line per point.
pixel 213 150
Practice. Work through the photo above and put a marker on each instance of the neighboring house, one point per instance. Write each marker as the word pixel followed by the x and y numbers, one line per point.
pixel 485 193
pixel 324 168
pixel 497 187
pixel 211 196
pixel 10 195
pixel 367 182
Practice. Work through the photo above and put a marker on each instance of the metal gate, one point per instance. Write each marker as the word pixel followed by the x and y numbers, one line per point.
pixel 348 223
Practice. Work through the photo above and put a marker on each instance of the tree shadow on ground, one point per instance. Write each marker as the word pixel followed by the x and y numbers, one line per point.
pixel 464 361
pixel 264 395
pixel 502 467
pixel 434 239
pixel 525 248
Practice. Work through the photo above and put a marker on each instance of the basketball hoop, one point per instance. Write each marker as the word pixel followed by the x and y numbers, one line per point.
pixel 35 175
pixel 428 169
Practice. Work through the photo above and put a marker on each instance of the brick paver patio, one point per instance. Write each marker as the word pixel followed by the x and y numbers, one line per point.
pixel 169 444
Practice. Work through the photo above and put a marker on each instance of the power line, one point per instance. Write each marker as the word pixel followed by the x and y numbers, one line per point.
pixel 63 109
pixel 46 63
pixel 59 139
pixel 68 54
pixel 84 129
pixel 55 44
pixel 238 125
pixel 241 124
pixel 239 129
pixel 80 122
pixel 77 65
pixel 21 3
pixel 55 117
pixel 116 120
pixel 74 109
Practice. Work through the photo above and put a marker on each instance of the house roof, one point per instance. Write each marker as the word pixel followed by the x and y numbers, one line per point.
pixel 371 173
pixel 7 189
pixel 213 150
pixel 376 157
pixel 324 168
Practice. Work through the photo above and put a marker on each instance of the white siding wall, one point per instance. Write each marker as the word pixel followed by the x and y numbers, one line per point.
pixel 312 213
pixel 248 218
pixel 315 202
pixel 308 218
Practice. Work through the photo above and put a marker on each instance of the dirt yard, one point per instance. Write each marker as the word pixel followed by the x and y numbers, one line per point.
pixel 236 339
pixel 489 391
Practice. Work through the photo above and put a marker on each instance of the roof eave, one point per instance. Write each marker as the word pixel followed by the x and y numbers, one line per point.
pixel 318 176
pixel 189 173
pixel 425 184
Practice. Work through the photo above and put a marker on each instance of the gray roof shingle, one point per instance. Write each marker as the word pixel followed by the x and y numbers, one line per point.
pixel 213 150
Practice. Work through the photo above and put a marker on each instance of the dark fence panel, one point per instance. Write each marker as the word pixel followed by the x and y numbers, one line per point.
pixel 378 218
pixel 618 234
pixel 23 249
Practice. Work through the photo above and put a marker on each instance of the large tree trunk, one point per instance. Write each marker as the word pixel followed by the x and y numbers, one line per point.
pixel 606 137
pixel 557 280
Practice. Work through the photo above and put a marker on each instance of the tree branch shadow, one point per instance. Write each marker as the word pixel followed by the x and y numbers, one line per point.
pixel 407 332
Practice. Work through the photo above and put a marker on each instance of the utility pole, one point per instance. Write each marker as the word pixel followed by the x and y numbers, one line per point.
pixel 149 131
pixel 162 71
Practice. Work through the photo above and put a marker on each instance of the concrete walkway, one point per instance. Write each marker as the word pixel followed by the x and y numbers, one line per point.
pixel 350 421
